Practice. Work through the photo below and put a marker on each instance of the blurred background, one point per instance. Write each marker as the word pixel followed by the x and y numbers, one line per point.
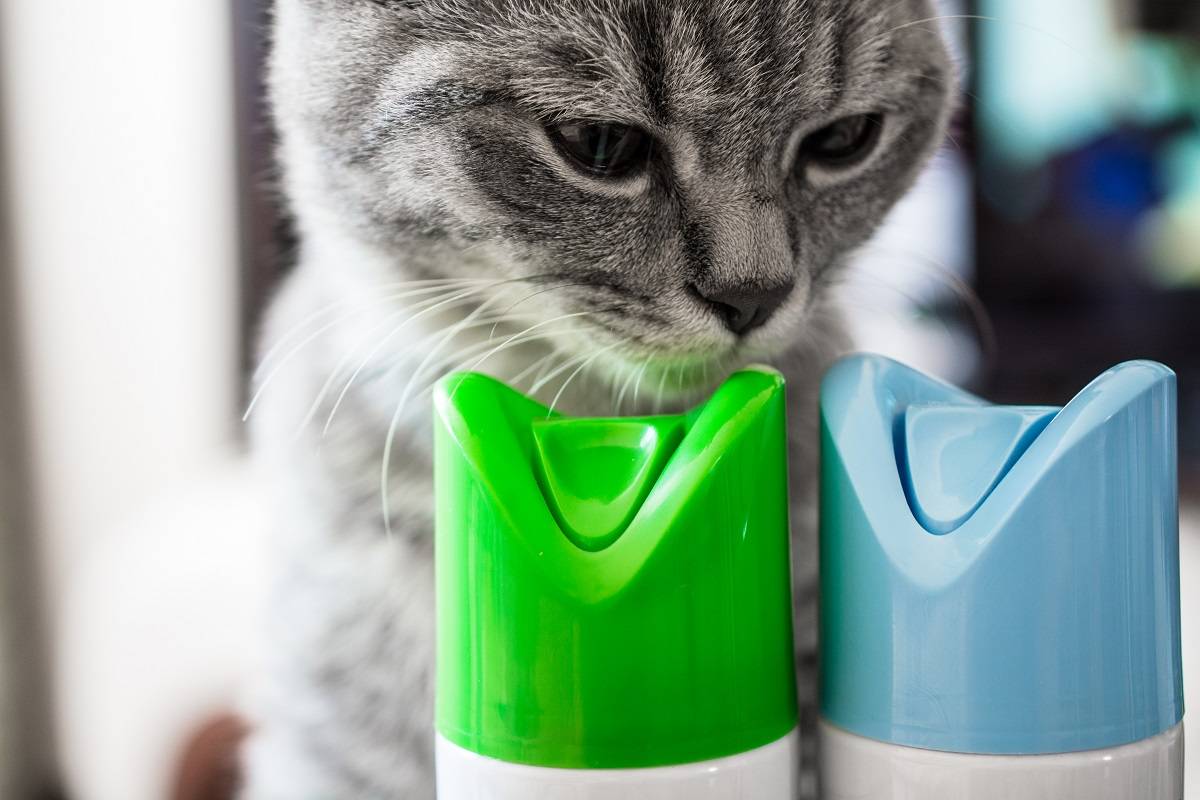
pixel 1057 233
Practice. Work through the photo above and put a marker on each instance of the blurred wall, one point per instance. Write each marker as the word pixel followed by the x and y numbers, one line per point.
pixel 26 748
pixel 122 196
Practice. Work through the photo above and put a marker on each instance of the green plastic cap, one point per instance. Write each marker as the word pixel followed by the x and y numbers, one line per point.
pixel 613 593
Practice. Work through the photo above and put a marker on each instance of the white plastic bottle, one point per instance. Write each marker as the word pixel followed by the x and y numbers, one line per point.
pixel 856 768
pixel 1000 591
pixel 766 772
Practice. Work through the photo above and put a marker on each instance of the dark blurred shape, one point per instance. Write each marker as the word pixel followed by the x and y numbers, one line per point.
pixel 1113 181
pixel 1169 16
pixel 1067 289
pixel 1070 246
pixel 267 237
pixel 210 768
pixel 27 768
pixel 1079 246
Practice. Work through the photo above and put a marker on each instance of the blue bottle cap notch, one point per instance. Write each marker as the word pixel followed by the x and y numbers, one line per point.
pixel 952 457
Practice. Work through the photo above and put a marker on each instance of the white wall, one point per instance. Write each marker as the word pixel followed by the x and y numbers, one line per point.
pixel 121 156
pixel 122 165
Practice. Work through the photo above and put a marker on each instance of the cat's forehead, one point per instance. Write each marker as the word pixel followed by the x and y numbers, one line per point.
pixel 724 69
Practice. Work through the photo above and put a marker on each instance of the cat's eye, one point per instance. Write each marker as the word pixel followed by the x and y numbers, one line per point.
pixel 603 149
pixel 844 143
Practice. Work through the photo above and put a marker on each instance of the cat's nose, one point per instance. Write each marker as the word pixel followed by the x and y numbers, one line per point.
pixel 746 308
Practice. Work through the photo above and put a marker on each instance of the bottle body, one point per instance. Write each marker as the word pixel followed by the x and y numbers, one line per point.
pixel 767 773
pixel 864 769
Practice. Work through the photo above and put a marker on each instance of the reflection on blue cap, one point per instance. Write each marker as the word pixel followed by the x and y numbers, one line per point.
pixel 999 580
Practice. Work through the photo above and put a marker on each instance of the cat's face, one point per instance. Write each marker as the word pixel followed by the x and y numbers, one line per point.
pixel 678 174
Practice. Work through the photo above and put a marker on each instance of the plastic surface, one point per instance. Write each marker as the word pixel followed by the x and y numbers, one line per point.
pixel 613 594
pixel 766 773
pixel 954 456
pixel 1046 620
pixel 854 768
pixel 595 474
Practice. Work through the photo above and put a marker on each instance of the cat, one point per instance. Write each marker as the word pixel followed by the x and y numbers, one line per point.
pixel 612 204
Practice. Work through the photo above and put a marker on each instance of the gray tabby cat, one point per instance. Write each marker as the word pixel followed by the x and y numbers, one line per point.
pixel 613 203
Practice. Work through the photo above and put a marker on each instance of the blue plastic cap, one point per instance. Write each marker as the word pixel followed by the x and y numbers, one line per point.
pixel 999 580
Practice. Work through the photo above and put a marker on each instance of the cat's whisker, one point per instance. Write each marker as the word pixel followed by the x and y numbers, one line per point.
pixel 637 387
pixel 524 337
pixel 547 379
pixel 338 369
pixel 531 296
pixel 387 295
pixel 433 353
pixel 269 379
pixel 430 376
pixel 416 345
pixel 541 373
pixel 444 305
pixel 614 379
pixel 440 287
pixel 979 102
pixel 408 318
pixel 312 337
pixel 393 427
pixel 389 443
pixel 385 468
pixel 884 36
pixel 874 40
pixel 662 388
pixel 625 387
pixel 537 366
pixel 562 390
pixel 871 306
pixel 516 336
pixel 950 137
pixel 925 266
pixel 613 384
pixel 962 291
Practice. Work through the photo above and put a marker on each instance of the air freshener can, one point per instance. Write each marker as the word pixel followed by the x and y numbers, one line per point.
pixel 1000 591
pixel 614 599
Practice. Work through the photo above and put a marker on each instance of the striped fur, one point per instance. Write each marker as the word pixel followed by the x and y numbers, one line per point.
pixel 414 148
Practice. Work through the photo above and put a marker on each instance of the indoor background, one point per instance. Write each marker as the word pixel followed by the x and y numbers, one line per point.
pixel 1057 233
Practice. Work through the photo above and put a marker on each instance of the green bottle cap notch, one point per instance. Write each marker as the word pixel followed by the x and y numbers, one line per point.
pixel 613 593
pixel 596 474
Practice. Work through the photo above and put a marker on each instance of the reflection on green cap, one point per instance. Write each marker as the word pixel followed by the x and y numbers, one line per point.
pixel 613 593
